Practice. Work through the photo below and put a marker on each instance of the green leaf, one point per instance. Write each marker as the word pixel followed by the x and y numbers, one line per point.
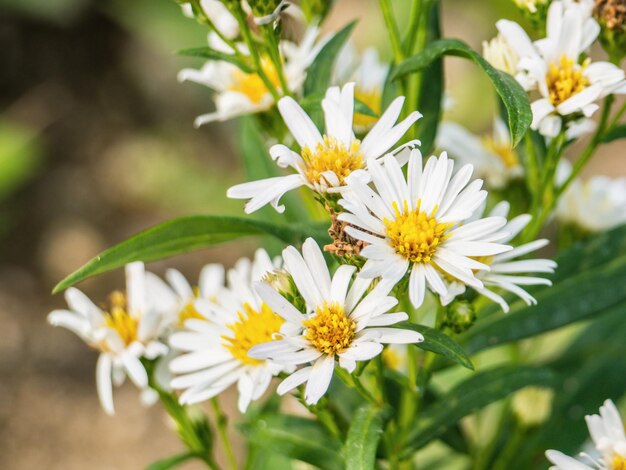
pixel 362 108
pixel 298 438
pixel 212 54
pixel 363 437
pixel 583 286
pixel 319 74
pixel 439 343
pixel 187 234
pixel 431 89
pixel 512 94
pixel 171 462
pixel 471 395
pixel 617 132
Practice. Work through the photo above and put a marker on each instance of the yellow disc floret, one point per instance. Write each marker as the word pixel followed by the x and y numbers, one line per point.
pixel 373 99
pixel 565 79
pixel 254 327
pixel 251 84
pixel 332 155
pixel 618 463
pixel 120 320
pixel 414 234
pixel 189 312
pixel 330 331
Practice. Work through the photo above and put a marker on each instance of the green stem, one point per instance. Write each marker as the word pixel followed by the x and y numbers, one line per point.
pixel 392 29
pixel 532 164
pixel 204 19
pixel 323 413
pixel 274 51
pixel 352 381
pixel 239 15
pixel 414 22
pixel 221 422
pixel 509 453
pixel 618 116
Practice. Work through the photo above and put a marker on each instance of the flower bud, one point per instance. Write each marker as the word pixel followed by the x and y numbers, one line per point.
pixel 500 55
pixel 266 11
pixel 611 14
pixel 460 316
pixel 532 405
pixel 282 282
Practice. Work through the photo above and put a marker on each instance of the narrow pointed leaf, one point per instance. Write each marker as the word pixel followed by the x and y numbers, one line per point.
pixel 471 395
pixel 171 462
pixel 319 73
pixel 212 54
pixel 364 435
pixel 298 438
pixel 186 234
pixel 513 96
pixel 439 343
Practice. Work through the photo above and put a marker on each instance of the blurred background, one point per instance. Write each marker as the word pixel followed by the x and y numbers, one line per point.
pixel 96 144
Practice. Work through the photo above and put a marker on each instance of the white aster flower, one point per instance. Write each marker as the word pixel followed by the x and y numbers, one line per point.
pixel 340 323
pixel 568 89
pixel 506 272
pixel 609 439
pixel 594 205
pixel 215 349
pixel 493 157
pixel 239 93
pixel 325 161
pixel 128 331
pixel 216 11
pixel 418 224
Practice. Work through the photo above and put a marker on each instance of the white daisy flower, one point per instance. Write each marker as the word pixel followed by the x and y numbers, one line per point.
pixel 505 271
pixel 239 93
pixel 210 284
pixel 609 439
pixel 418 224
pixel 595 205
pixel 216 11
pixel 340 323
pixel 126 332
pixel 215 349
pixel 325 161
pixel 493 157
pixel 551 66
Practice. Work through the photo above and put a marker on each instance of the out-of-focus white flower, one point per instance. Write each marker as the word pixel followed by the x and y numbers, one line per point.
pixel 493 157
pixel 325 161
pixel 239 93
pixel 210 284
pixel 215 348
pixel 568 88
pixel 340 323
pixel 594 205
pixel 505 272
pixel 219 15
pixel 501 55
pixel 417 223
pixel 607 433
pixel 128 331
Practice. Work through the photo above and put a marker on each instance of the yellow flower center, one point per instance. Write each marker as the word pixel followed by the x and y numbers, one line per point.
pixel 120 320
pixel 414 234
pixel 373 99
pixel 251 84
pixel 254 327
pixel 619 463
pixel 332 155
pixel 330 331
pixel 189 312
pixel 505 152
pixel 565 79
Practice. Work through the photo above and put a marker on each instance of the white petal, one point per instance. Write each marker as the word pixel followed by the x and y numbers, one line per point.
pixel 319 379
pixel 297 378
pixel 104 385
